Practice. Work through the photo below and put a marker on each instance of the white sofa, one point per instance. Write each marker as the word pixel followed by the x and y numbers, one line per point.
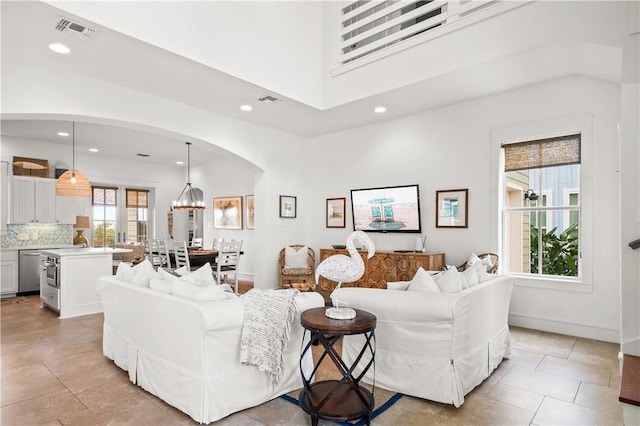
pixel 437 346
pixel 187 352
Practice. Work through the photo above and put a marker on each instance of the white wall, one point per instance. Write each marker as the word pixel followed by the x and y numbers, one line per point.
pixel 31 91
pixel 277 45
pixel 451 148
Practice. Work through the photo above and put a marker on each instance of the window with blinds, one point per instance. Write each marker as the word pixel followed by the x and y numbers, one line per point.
pixel 367 27
pixel 137 214
pixel 542 232
pixel 105 215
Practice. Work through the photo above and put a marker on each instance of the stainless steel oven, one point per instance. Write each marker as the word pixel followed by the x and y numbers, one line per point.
pixel 52 266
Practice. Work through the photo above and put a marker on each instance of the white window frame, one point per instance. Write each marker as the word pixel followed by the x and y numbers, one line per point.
pixel 582 124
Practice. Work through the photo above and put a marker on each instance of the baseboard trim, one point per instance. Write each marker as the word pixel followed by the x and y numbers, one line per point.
pixel 563 327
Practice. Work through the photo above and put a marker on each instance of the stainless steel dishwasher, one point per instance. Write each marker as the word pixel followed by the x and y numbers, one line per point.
pixel 29 271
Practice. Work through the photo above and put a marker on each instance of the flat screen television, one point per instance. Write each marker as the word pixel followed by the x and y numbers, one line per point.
pixel 386 209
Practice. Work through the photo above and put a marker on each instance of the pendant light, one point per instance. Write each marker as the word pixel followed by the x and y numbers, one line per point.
pixel 72 183
pixel 188 199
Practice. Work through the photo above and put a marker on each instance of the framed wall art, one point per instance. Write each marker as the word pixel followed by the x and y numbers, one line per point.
pixel 250 212
pixel 227 212
pixel 452 208
pixel 288 206
pixel 336 208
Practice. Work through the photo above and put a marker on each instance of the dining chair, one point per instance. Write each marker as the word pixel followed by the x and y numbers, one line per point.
pixel 215 244
pixel 156 251
pixel 228 261
pixel 196 242
pixel 163 254
pixel 181 254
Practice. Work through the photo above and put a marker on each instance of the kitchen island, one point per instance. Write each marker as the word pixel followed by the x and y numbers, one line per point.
pixel 67 284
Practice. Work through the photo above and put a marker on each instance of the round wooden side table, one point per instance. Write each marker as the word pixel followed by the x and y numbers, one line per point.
pixel 345 399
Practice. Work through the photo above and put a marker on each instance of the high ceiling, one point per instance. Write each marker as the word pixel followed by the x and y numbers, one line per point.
pixel 27 30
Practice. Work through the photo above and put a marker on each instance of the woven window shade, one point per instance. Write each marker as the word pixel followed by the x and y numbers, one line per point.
pixel 559 151
pixel 137 198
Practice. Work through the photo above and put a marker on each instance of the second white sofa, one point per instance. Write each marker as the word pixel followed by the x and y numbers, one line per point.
pixel 437 346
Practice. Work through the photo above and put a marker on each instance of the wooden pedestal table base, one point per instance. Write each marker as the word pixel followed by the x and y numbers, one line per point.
pixel 345 399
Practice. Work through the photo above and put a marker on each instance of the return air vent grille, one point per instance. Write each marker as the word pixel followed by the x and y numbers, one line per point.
pixel 268 99
pixel 65 25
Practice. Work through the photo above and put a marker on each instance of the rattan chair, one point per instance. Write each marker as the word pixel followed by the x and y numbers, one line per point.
pixel 294 277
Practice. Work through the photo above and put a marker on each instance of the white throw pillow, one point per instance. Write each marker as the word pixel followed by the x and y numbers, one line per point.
pixel 481 271
pixel 182 271
pixel 470 276
pixel 203 276
pixel 473 259
pixel 144 276
pixel 449 281
pixel 398 285
pixel 422 281
pixel 125 272
pixel 296 258
pixel 210 293
pixel 163 286
pixel 166 275
pixel 182 288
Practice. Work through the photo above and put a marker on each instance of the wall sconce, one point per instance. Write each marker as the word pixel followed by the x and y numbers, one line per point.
pixel 530 195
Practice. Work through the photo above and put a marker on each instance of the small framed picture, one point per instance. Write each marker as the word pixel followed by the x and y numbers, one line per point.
pixel 336 212
pixel 227 213
pixel 288 206
pixel 452 208
pixel 250 212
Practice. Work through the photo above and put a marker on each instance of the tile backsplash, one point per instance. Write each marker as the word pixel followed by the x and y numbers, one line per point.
pixel 32 235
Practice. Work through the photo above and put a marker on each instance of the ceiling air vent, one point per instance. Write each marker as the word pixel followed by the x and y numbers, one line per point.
pixel 143 155
pixel 268 99
pixel 65 25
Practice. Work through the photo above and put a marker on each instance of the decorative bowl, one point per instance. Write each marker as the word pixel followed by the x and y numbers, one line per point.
pixel 339 246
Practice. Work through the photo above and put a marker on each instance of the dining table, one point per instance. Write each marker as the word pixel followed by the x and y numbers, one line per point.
pixel 198 257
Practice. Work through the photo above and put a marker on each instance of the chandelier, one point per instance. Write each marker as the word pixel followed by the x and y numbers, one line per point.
pixel 188 199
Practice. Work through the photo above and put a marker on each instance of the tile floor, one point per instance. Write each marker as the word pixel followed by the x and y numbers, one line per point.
pixel 53 372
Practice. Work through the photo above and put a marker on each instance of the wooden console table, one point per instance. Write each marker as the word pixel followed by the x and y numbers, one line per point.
pixel 384 266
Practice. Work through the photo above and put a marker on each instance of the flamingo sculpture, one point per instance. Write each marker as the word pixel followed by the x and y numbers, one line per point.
pixel 345 269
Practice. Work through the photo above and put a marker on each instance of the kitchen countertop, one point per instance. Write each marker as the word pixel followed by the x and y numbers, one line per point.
pixel 63 246
pixel 79 251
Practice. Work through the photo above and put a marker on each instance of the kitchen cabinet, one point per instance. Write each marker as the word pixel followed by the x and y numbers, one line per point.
pixel 35 200
pixel 8 272
pixel 4 195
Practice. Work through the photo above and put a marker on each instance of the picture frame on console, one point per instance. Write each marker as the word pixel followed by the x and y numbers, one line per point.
pixel 452 208
pixel 227 212
pixel 336 212
pixel 288 206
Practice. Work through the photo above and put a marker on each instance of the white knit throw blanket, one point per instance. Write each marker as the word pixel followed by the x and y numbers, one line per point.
pixel 268 315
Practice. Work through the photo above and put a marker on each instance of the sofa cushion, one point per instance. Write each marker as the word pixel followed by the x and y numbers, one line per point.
pixel 203 276
pixel 422 281
pixel 161 285
pixel 296 257
pixel 398 285
pixel 449 281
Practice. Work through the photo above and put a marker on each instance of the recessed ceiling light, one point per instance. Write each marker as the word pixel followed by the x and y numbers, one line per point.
pixel 93 149
pixel 246 107
pixel 59 48
pixel 179 163
pixel 379 110
pixel 63 134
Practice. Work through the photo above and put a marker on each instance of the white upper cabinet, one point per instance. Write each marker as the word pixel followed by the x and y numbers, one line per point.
pixel 4 196
pixel 34 200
